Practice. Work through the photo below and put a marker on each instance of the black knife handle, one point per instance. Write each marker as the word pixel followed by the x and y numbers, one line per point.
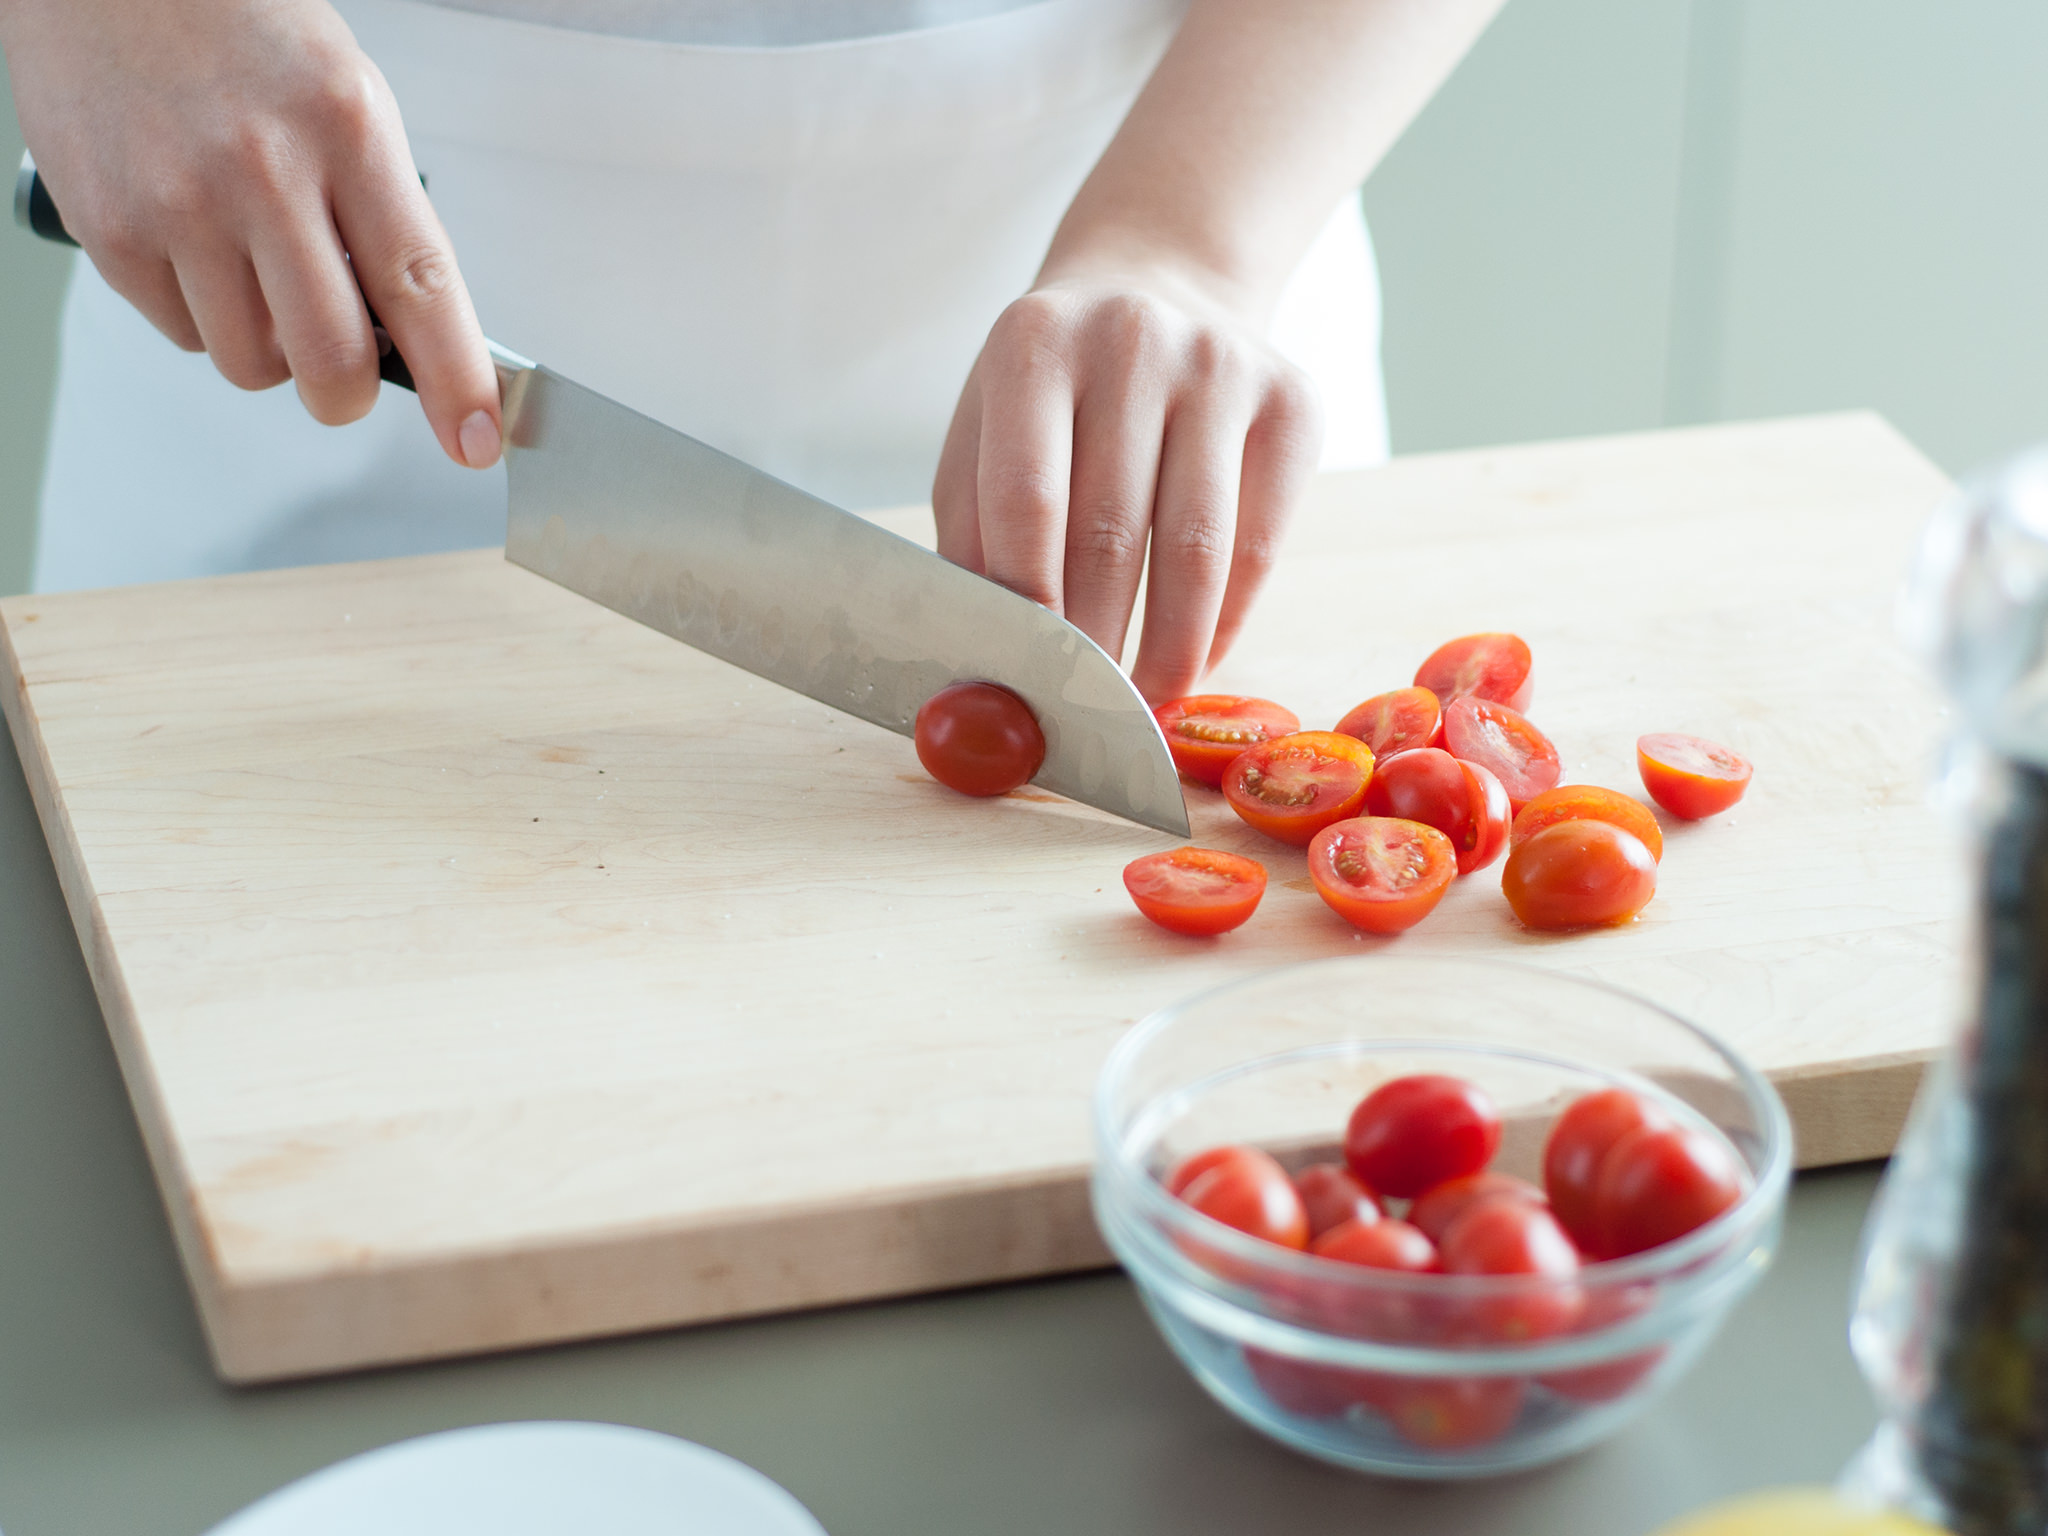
pixel 36 210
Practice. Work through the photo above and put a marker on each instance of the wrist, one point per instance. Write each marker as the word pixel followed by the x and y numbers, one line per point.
pixel 1127 259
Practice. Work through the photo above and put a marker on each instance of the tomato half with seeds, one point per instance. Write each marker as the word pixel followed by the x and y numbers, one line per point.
pixel 1196 891
pixel 1463 801
pixel 1690 776
pixel 1490 666
pixel 1659 1182
pixel 979 738
pixel 1578 1144
pixel 1588 802
pixel 1332 1197
pixel 1380 873
pixel 1294 786
pixel 1579 874
pixel 1206 731
pixel 1499 739
pixel 1250 1191
pixel 1397 721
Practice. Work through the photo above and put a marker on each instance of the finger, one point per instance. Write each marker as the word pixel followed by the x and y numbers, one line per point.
pixel 321 326
pixel 227 305
pixel 1026 459
pixel 151 285
pixel 1118 432
pixel 406 266
pixel 955 511
pixel 1193 530
pixel 1280 452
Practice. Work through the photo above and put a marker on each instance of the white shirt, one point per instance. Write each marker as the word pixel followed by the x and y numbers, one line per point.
pixel 742 23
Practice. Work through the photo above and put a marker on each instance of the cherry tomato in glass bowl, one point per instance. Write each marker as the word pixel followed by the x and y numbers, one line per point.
pixel 1451 1413
pixel 1463 801
pixel 1579 874
pixel 1588 802
pixel 1605 1307
pixel 1306 1388
pixel 1513 1237
pixel 1381 874
pixel 1690 776
pixel 1413 1132
pixel 1439 1206
pixel 1206 731
pixel 1393 1316
pixel 1251 1192
pixel 1579 1142
pixel 979 738
pixel 1499 739
pixel 1332 1196
pixel 1491 666
pixel 1394 722
pixel 1659 1182
pixel 1196 891
pixel 1292 787
pixel 1194 1167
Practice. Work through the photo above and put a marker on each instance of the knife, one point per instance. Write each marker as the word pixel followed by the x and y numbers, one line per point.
pixel 701 546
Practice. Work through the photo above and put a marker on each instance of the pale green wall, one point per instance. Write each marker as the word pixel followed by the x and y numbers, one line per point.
pixel 1622 213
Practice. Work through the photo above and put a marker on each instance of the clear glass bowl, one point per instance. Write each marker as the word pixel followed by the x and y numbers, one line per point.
pixel 1396 1373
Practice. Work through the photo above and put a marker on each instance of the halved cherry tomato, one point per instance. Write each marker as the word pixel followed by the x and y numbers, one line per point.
pixel 1512 1237
pixel 1251 1192
pixel 1490 666
pixel 1292 787
pixel 1380 873
pixel 1579 874
pixel 1207 730
pixel 1658 1183
pixel 1579 1142
pixel 1463 801
pixel 1496 737
pixel 1451 1413
pixel 1394 722
pixel 1437 1208
pixel 1331 1196
pixel 1411 1133
pixel 979 738
pixel 1588 802
pixel 1690 776
pixel 1196 891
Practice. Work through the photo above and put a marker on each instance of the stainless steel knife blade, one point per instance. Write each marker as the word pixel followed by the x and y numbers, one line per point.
pixel 699 545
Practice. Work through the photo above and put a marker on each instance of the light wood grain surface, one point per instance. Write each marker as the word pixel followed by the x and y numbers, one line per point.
pixel 488 970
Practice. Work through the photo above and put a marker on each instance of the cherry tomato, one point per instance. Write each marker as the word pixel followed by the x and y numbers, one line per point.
pixel 1461 800
pixel 1579 874
pixel 1196 890
pixel 1659 1182
pixel 1379 1244
pixel 1252 1193
pixel 1331 1196
pixel 1305 1388
pixel 1206 731
pixel 1588 802
pixel 1292 787
pixel 1215 1157
pixel 1578 1144
pixel 1497 738
pixel 1391 1315
pixel 979 739
pixel 1394 722
pixel 1603 1383
pixel 1439 1206
pixel 1690 776
pixel 1451 1413
pixel 1494 666
pixel 1414 1132
pixel 1379 873
pixel 1512 1237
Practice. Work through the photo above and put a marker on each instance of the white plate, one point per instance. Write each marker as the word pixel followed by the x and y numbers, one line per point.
pixel 531 1480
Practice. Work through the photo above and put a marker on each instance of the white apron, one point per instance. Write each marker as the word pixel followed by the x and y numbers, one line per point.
pixel 793 253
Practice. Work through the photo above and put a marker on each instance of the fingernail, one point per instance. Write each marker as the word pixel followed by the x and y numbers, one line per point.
pixel 479 438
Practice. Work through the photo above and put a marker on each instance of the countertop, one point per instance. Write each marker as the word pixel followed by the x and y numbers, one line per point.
pixel 1027 1408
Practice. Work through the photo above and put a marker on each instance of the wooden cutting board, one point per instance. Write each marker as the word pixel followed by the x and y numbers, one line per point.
pixel 487 969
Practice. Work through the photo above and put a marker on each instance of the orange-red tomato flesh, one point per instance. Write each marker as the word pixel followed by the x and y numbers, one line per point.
pixel 1496 737
pixel 1489 666
pixel 1293 787
pixel 1206 731
pixel 1397 721
pixel 979 738
pixel 1379 873
pixel 1588 802
pixel 1690 776
pixel 1579 874
pixel 1196 891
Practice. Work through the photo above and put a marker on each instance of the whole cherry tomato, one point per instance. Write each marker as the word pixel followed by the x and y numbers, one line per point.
pixel 1659 1182
pixel 1308 1389
pixel 1389 1315
pixel 1394 722
pixel 1513 1237
pixel 1606 1306
pixel 1451 1413
pixel 1292 787
pixel 1498 738
pixel 1463 801
pixel 1588 802
pixel 1382 1244
pixel 1414 1132
pixel 1331 1196
pixel 1206 731
pixel 1579 1143
pixel 1379 873
pixel 1196 891
pixel 1495 666
pixel 1690 776
pixel 1252 1193
pixel 1579 874
pixel 1439 1206
pixel 979 739
pixel 1194 1167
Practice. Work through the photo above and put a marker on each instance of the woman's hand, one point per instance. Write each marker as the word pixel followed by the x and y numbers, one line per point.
pixel 1114 408
pixel 235 168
